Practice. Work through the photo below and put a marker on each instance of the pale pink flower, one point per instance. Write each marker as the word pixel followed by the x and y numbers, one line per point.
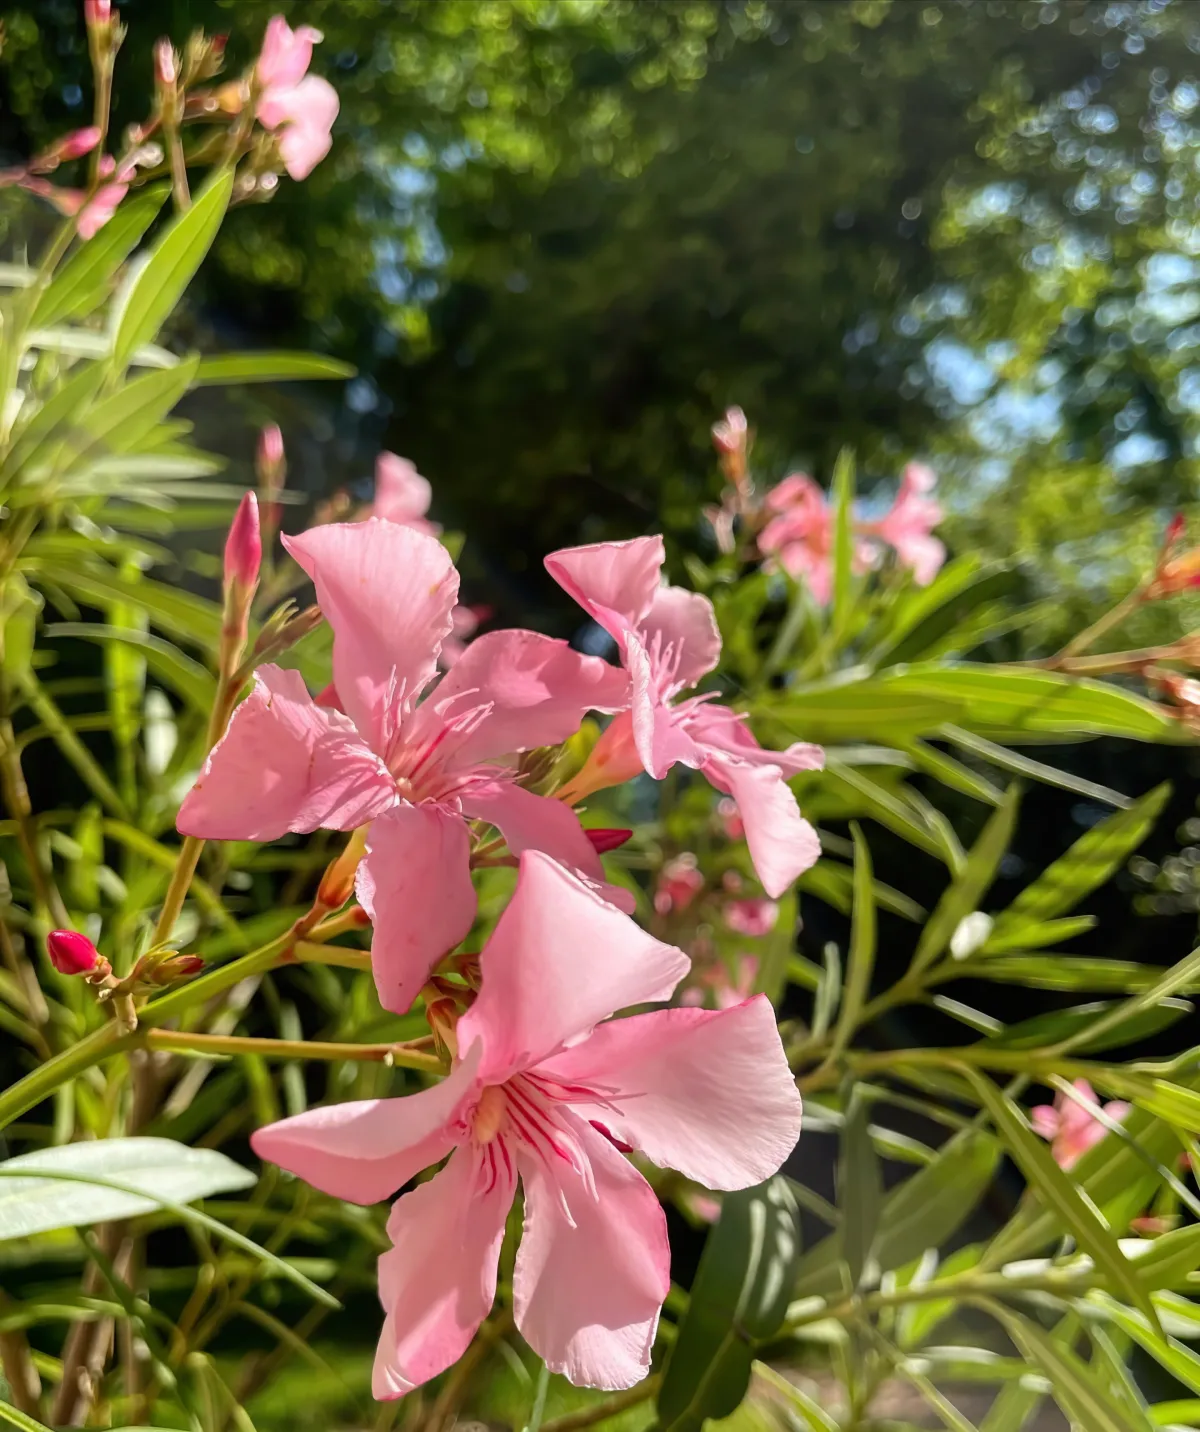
pixel 726 992
pixel 465 623
pixel 909 525
pixel 1071 1129
pixel 301 106
pixel 755 917
pixel 545 1092
pixel 417 773
pixel 731 820
pixel 800 536
pixel 401 494
pixel 668 640
pixel 679 882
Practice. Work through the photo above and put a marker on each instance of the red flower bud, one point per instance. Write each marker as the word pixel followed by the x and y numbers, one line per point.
pixel 243 548
pixel 71 953
pixel 97 12
pixel 1175 530
pixel 606 840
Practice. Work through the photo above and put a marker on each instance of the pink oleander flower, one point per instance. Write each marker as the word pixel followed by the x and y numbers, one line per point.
pixel 668 641
pixel 100 208
pixel 730 818
pixel 71 146
pixel 401 494
pixel 1069 1127
pixel 800 536
pixel 465 622
pixel 546 1092
pixel 71 953
pixel 418 773
pixel 753 917
pixel 608 839
pixel 679 882
pixel 909 525
pixel 301 106
pixel 726 992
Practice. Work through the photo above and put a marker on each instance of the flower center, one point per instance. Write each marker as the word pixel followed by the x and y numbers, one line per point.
pixel 491 1114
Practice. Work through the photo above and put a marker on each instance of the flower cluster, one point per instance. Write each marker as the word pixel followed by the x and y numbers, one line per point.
pixel 295 110
pixel 433 774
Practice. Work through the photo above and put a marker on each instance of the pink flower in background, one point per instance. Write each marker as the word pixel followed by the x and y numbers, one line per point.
pixel 679 882
pixel 800 536
pixel 668 640
pixel 909 525
pixel 301 106
pixel 751 917
pixel 465 623
pixel 546 1092
pixel 726 992
pixel 401 494
pixel 730 817
pixel 1071 1129
pixel 417 773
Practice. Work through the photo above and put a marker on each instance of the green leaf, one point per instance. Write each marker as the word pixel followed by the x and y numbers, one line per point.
pixel 173 263
pixel 834 884
pixel 739 1297
pixel 85 279
pixel 1012 1409
pixel 269 368
pixel 868 797
pixel 1160 1097
pixel 159 1168
pixel 1069 973
pixel 16 1418
pixel 1076 1387
pixel 1172 1355
pixel 862 948
pixel 924 1211
pixel 843 542
pixel 952 773
pixel 771 979
pixel 47 426
pixel 1037 935
pixel 120 420
pixel 1171 1259
pixel 1056 1025
pixel 1059 1193
pixel 187 678
pixel 859 1189
pixel 962 895
pixel 848 710
pixel 927 615
pixel 1019 764
pixel 171 609
pixel 1089 863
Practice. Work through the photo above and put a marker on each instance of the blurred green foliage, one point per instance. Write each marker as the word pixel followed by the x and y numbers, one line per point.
pixel 557 235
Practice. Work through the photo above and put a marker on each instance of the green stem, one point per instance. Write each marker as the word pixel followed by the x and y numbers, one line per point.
pixel 1092 634
pixel 22 1096
pixel 402 1056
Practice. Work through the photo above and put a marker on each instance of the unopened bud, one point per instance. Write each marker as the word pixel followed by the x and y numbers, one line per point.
pixel 270 448
pixel 71 953
pixel 1177 574
pixel 165 972
pixel 282 630
pixel 272 471
pixel 97 13
pixel 729 435
pixel 337 884
pixel 166 64
pixel 442 1015
pixel 606 840
pixel 243 547
pixel 71 146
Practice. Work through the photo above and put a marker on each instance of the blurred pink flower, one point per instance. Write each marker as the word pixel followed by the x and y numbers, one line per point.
pixel 908 526
pixel 715 981
pixel 402 495
pixel 800 536
pixel 1069 1127
pixel 731 820
pixel 302 106
pixel 679 882
pixel 548 1089
pixel 752 917
pixel 100 208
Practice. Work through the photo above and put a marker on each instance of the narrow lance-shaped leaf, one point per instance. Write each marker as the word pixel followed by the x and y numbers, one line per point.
pixel 1058 1192
pixel 859 1187
pixel 173 263
pixel 963 894
pixel 862 948
pixel 843 542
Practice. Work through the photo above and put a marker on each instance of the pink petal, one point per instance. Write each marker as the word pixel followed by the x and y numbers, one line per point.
pixel 100 208
pixel 285 764
pixel 719 729
pixel 798 490
pixel 659 730
pixel 438 1281
pixel 539 691
pixel 540 985
pixel 533 822
pixel 401 493
pixel 286 53
pixel 415 883
pixel 1045 1120
pixel 587 1292
pixel 782 843
pixel 367 1149
pixel 306 112
pixel 614 582
pixel 681 628
pixel 387 592
pixel 707 1093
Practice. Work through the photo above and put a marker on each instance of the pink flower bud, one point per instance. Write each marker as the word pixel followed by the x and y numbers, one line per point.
pixel 166 64
pixel 270 447
pixel 606 840
pixel 729 435
pixel 97 12
pixel 71 953
pixel 70 146
pixel 243 548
